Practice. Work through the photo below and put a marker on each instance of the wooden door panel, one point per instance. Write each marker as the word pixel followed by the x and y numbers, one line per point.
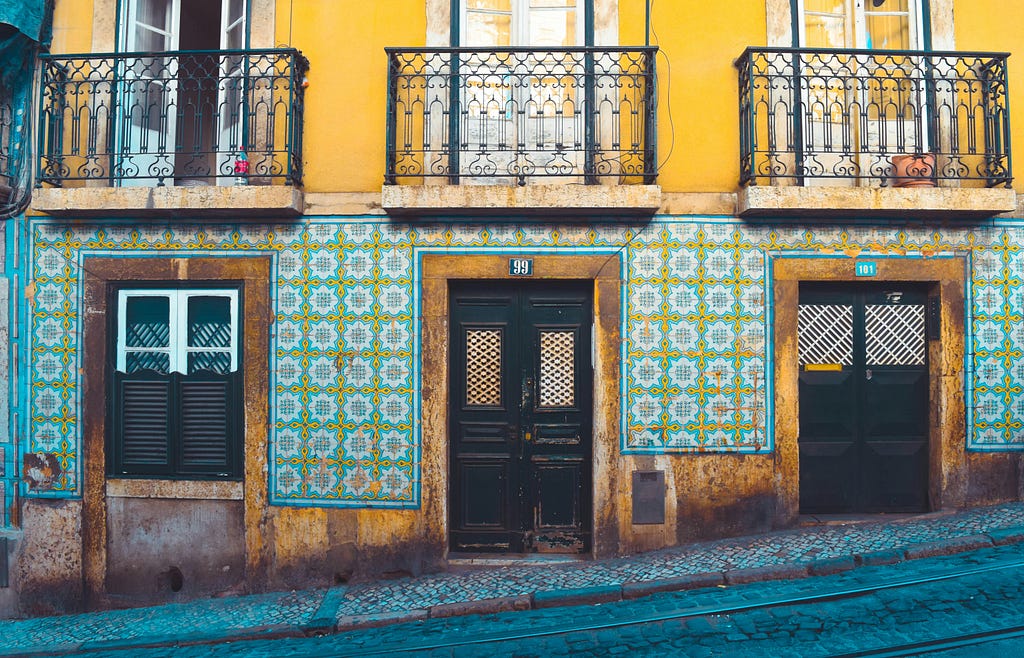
pixel 487 479
pixel 529 410
pixel 863 440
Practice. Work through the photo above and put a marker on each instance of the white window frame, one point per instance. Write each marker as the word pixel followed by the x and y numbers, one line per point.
pixel 178 349
pixel 856 14
pixel 520 29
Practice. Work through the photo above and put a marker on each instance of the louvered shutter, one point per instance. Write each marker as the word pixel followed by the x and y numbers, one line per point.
pixel 206 427
pixel 144 426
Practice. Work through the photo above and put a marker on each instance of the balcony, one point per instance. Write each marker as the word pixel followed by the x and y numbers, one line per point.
pixel 190 132
pixel 506 130
pixel 831 131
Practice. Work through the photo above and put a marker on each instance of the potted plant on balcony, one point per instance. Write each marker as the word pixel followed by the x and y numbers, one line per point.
pixel 913 170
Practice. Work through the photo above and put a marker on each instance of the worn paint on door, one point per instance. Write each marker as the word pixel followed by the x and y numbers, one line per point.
pixel 521 416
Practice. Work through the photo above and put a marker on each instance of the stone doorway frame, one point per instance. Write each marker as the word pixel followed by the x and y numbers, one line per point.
pixel 945 277
pixel 605 270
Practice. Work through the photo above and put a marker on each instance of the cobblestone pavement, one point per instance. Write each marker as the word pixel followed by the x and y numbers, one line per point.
pixel 816 549
pixel 772 622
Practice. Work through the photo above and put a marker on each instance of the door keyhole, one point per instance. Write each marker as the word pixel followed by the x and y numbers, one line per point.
pixel 527 393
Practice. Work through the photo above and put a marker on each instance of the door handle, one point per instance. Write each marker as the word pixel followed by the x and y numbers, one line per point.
pixel 867 373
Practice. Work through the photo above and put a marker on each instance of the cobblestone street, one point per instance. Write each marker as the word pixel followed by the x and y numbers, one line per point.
pixel 713 570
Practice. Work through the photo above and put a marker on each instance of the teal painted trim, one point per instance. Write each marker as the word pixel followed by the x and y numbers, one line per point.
pixel 17 268
pixel 455 20
pixel 926 24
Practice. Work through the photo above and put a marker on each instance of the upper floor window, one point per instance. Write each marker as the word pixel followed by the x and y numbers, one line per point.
pixel 175 397
pixel 540 23
pixel 161 25
pixel 871 24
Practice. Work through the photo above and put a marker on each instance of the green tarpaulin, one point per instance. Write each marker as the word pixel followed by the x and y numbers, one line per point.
pixel 30 17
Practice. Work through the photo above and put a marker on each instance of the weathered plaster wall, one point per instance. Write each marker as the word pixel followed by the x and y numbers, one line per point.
pixel 48 570
pixel 161 550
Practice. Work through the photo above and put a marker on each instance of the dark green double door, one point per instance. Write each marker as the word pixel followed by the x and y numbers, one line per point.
pixel 863 398
pixel 521 391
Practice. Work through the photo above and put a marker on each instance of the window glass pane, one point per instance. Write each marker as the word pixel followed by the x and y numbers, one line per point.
pixel 148 322
pixel 487 29
pixel 827 6
pixel 157 361
pixel 209 322
pixel 493 5
pixel 888 32
pixel 552 27
pixel 152 25
pixel 825 31
pixel 217 362
pixel 888 5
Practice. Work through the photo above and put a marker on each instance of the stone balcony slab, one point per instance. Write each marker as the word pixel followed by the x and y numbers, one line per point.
pixel 553 200
pixel 870 202
pixel 240 201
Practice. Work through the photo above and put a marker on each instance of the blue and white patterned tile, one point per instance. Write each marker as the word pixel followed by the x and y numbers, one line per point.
pixel 394 335
pixel 356 372
pixel 357 408
pixel 395 408
pixel 357 264
pixel 396 372
pixel 396 445
pixel 358 444
pixel 395 264
pixel 357 336
pixel 394 299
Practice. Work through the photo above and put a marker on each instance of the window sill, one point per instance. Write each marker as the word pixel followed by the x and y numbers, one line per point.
pixel 840 202
pixel 178 489
pixel 535 200
pixel 191 202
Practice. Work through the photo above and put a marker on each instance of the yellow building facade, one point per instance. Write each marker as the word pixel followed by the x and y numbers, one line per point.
pixel 320 290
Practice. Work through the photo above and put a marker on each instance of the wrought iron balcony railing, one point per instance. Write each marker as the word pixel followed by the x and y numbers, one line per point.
pixel 165 118
pixel 849 114
pixel 508 115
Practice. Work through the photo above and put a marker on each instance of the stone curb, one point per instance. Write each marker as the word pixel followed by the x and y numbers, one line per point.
pixel 480 607
pixel 577 596
pixel 638 589
pixel 833 565
pixel 770 572
pixel 1006 536
pixel 879 558
pixel 947 546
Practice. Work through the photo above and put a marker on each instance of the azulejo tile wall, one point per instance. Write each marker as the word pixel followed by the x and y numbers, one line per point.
pixel 344 397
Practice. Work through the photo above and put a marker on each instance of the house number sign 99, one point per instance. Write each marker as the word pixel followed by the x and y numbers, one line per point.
pixel 520 266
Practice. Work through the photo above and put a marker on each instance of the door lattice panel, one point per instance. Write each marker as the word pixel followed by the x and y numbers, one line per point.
pixel 825 333
pixel 483 367
pixel 894 334
pixel 557 369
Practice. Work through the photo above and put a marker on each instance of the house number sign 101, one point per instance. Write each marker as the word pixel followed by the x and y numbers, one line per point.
pixel 520 267
pixel 865 268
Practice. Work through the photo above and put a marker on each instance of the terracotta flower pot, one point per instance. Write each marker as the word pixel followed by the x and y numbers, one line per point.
pixel 913 170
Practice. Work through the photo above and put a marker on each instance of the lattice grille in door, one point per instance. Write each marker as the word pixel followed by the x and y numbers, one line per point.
pixel 483 367
pixel 894 334
pixel 557 369
pixel 825 333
